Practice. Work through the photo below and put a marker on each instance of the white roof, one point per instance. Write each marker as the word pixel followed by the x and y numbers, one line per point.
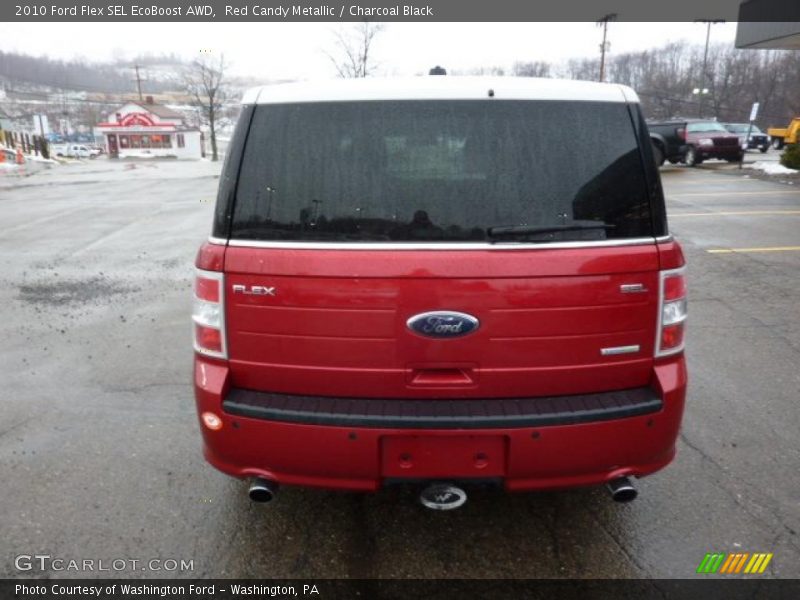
pixel 438 87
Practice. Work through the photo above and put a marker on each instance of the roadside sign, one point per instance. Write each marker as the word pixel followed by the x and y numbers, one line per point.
pixel 754 111
pixel 746 143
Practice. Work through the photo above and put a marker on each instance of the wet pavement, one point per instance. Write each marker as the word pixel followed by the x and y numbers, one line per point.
pixel 99 443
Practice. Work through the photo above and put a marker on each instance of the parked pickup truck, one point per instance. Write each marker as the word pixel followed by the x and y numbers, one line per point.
pixel 75 151
pixel 668 141
pixel 756 139
pixel 703 139
pixel 781 136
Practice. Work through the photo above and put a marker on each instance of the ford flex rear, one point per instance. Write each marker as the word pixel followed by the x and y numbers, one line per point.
pixel 418 280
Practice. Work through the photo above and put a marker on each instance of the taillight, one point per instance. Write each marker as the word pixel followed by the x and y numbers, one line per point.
pixel 672 315
pixel 681 133
pixel 208 314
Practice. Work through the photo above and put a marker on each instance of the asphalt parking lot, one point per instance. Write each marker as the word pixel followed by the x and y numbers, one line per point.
pixel 100 449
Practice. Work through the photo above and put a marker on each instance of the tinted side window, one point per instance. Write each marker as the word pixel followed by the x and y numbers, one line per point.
pixel 230 175
pixel 409 171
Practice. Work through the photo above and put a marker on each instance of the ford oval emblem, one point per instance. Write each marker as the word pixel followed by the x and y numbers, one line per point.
pixel 443 324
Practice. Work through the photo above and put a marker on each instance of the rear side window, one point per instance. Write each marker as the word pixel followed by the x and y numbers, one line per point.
pixel 440 171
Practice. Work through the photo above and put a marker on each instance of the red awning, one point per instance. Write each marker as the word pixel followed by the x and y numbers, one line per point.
pixel 117 127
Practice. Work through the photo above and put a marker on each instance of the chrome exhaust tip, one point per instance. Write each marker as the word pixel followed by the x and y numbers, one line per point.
pixel 622 490
pixel 442 496
pixel 262 490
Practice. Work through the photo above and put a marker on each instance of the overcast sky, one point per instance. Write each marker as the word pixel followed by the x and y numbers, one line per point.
pixel 297 50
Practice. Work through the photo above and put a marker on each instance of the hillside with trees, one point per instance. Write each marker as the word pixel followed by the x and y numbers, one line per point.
pixel 666 77
pixel 23 70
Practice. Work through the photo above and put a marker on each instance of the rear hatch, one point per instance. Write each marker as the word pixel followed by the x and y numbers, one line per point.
pixel 352 218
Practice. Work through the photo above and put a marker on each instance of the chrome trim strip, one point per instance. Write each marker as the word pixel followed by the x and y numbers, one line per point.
pixel 632 349
pixel 632 288
pixel 434 246
pixel 217 241
pixel 664 238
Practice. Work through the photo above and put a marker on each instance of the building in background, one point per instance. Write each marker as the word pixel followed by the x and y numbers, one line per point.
pixel 769 24
pixel 144 130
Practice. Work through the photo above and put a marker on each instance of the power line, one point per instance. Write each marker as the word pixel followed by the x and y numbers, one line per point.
pixel 659 95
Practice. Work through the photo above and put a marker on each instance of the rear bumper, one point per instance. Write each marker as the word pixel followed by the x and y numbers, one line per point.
pixel 344 444
pixel 442 414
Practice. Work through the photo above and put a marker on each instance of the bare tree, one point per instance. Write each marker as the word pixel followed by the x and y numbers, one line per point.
pixel 207 86
pixel 495 71
pixel 582 68
pixel 665 79
pixel 353 54
pixel 537 68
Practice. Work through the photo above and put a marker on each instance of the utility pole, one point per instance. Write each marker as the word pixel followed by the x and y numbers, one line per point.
pixel 138 82
pixel 604 46
pixel 65 115
pixel 704 78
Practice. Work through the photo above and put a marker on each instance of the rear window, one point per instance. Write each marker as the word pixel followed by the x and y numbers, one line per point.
pixel 441 171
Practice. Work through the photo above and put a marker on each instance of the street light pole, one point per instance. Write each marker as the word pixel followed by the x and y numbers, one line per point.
pixel 704 78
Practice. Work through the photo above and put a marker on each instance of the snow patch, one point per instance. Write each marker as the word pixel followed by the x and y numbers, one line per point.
pixel 773 168
pixel 41 159
pixel 135 154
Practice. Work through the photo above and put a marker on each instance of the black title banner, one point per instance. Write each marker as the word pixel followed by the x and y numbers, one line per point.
pixel 402 10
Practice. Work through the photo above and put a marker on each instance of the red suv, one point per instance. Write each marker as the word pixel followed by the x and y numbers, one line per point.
pixel 709 139
pixel 407 281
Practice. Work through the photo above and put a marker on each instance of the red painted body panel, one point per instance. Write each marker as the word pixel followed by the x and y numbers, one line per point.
pixel 545 315
pixel 210 257
pixel 336 327
pixel 332 457
pixel 670 255
pixel 430 456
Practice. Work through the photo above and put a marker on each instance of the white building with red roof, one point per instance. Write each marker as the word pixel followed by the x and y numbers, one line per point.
pixel 146 129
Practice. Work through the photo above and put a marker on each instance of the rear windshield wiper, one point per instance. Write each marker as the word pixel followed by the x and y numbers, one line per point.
pixel 526 230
